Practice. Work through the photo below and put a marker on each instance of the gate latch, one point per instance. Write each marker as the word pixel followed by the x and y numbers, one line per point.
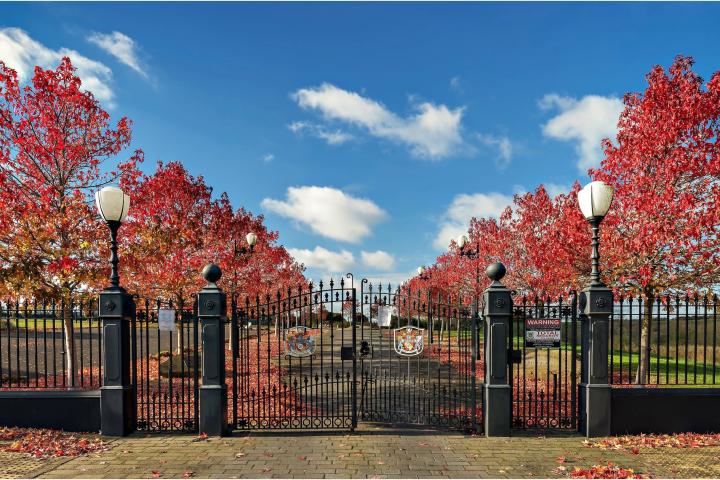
pixel 364 349
pixel 347 353
pixel 515 356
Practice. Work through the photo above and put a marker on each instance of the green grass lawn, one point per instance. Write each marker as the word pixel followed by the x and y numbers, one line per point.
pixel 44 324
pixel 666 367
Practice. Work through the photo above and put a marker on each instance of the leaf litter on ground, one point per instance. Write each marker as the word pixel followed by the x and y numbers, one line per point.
pixel 45 443
pixel 610 470
pixel 633 443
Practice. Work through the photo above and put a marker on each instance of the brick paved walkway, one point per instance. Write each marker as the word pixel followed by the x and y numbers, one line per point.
pixel 373 452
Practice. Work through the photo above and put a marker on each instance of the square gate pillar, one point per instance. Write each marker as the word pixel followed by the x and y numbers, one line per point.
pixel 596 304
pixel 118 412
pixel 498 393
pixel 212 307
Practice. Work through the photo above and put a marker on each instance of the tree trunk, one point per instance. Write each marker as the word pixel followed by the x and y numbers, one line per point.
pixel 179 314
pixel 643 369
pixel 69 334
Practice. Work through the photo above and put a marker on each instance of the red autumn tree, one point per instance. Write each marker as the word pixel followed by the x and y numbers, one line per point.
pixel 165 236
pixel 531 238
pixel 267 269
pixel 54 140
pixel 175 228
pixel 665 168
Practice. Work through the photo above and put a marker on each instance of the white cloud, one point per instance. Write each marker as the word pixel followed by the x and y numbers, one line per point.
pixel 555 189
pixel 332 137
pixel 323 259
pixel 20 52
pixel 119 46
pixel 392 278
pixel 433 132
pixel 456 219
pixel 552 189
pixel 268 157
pixel 553 100
pixel 328 212
pixel 586 121
pixel 455 84
pixel 379 260
pixel 502 144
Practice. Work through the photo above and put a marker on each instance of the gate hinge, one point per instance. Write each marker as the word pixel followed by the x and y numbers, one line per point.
pixel 514 356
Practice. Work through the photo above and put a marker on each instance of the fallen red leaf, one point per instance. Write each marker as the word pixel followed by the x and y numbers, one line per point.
pixel 604 471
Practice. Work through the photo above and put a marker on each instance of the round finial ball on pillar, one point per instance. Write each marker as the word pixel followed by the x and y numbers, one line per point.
pixel 495 271
pixel 211 273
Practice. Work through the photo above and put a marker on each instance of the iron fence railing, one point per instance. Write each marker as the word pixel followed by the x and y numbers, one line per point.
pixel 672 340
pixel 51 345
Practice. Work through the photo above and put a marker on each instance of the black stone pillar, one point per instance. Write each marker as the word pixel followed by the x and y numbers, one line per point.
pixel 117 394
pixel 596 304
pixel 498 394
pixel 212 307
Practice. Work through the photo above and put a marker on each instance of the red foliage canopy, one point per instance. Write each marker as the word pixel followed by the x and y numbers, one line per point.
pixel 54 138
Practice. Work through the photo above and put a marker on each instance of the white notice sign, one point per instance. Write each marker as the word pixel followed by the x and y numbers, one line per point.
pixel 166 320
pixel 384 315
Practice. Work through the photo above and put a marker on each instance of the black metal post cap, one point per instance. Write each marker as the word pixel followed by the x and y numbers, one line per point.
pixel 495 271
pixel 211 273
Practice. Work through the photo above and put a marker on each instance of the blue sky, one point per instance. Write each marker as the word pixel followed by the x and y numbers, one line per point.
pixel 367 133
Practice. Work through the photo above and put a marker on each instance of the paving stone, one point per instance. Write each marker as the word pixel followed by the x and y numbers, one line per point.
pixel 371 452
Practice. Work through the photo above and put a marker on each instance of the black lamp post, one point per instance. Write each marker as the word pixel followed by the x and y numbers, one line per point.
pixel 251 240
pixel 423 273
pixel 595 200
pixel 116 311
pixel 113 205
pixel 471 253
pixel 596 304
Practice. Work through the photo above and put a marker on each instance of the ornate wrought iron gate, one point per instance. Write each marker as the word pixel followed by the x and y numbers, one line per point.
pixel 166 366
pixel 419 359
pixel 293 359
pixel 315 357
pixel 544 379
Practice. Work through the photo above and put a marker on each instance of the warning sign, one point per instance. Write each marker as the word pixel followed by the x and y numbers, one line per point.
pixel 542 332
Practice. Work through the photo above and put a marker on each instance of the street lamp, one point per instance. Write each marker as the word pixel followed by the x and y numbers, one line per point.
pixel 462 242
pixel 595 200
pixel 596 307
pixel 116 310
pixel 472 254
pixel 423 273
pixel 113 205
pixel 251 240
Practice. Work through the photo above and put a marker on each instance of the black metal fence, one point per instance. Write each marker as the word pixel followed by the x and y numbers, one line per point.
pixel 166 366
pixel 672 340
pixel 50 345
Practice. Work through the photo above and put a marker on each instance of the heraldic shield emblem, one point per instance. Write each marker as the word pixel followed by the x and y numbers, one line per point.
pixel 408 340
pixel 299 342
